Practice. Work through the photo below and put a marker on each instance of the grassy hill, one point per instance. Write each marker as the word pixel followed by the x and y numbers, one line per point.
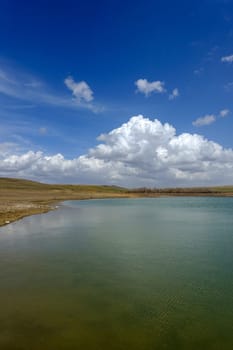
pixel 22 184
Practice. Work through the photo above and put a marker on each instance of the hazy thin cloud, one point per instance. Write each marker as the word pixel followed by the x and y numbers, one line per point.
pixel 206 120
pixel 43 130
pixel 228 59
pixel 174 94
pixel 224 112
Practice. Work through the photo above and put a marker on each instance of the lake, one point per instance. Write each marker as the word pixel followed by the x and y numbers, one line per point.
pixel 140 274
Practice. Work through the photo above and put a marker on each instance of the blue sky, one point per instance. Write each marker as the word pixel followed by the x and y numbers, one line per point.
pixel 73 70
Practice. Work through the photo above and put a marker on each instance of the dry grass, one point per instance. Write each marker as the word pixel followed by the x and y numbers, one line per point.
pixel 19 198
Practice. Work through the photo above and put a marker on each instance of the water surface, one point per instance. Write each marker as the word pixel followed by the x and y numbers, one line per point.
pixel 140 274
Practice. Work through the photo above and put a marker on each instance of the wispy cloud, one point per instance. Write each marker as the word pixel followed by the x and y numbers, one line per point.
pixel 210 118
pixel 211 54
pixel 7 148
pixel 198 71
pixel 228 86
pixel 20 86
pixel 174 94
pixel 224 112
pixel 206 120
pixel 43 130
pixel 147 88
pixel 81 90
pixel 18 106
pixel 228 59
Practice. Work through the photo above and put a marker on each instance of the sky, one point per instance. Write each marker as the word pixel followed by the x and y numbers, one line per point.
pixel 130 93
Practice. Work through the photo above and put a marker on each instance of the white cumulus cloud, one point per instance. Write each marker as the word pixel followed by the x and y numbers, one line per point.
pixel 80 90
pixel 141 152
pixel 147 88
pixel 174 94
pixel 206 120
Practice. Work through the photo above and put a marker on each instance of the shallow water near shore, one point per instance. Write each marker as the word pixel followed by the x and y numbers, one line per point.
pixel 140 274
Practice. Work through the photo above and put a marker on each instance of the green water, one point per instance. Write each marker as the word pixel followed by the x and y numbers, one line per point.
pixel 141 274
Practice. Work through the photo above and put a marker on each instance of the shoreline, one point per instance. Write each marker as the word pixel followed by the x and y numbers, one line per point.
pixel 12 212
pixel 15 210
pixel 20 198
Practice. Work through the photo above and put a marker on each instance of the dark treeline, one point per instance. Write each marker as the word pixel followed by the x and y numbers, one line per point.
pixel 177 190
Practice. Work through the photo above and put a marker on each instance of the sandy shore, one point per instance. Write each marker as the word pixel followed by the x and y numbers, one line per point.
pixel 10 212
